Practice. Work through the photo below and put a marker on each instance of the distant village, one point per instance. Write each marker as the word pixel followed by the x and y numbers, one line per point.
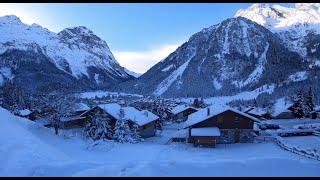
pixel 128 118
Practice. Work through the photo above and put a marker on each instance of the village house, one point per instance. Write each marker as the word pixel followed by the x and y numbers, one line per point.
pixel 72 122
pixel 80 108
pixel 259 113
pixel 286 114
pixel 26 113
pixel 145 119
pixel 219 125
pixel 181 112
pixel 67 122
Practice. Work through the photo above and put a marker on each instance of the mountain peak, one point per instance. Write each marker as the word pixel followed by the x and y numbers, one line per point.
pixel 35 25
pixel 77 30
pixel 307 6
pixel 255 6
pixel 10 19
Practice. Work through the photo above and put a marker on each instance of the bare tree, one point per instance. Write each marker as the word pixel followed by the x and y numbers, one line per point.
pixel 58 105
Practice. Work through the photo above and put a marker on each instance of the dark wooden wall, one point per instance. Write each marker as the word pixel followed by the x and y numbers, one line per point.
pixel 226 120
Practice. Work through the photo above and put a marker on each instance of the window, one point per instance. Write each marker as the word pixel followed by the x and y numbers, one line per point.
pixel 220 119
pixel 237 119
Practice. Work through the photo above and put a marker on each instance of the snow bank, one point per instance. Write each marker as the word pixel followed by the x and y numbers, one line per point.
pixel 21 152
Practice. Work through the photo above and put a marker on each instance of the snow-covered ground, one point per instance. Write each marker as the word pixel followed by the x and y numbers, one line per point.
pixel 28 149
pixel 312 142
pixel 222 100
pixel 293 123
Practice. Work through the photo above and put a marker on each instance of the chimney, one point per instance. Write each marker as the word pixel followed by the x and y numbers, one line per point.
pixel 146 113
pixel 208 111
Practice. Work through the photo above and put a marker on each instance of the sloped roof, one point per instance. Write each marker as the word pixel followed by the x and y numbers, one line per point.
pixel 82 107
pixel 202 115
pixel 257 111
pixel 131 113
pixel 71 118
pixel 24 112
pixel 180 108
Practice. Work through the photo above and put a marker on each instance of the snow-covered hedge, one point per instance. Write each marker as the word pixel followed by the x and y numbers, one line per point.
pixel 309 126
pixel 307 152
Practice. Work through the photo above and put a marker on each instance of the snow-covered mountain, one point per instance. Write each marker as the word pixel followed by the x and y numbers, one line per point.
pixel 79 57
pixel 233 56
pixel 298 27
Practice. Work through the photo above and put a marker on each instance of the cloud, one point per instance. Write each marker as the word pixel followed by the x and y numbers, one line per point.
pixel 141 61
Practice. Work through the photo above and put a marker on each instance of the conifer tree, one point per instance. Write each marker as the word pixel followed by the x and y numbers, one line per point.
pixel 298 106
pixel 309 105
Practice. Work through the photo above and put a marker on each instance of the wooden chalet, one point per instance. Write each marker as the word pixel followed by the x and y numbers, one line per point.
pixel 259 113
pixel 220 125
pixel 146 120
pixel 287 114
pixel 181 112
pixel 73 122
pixel 26 113
pixel 81 108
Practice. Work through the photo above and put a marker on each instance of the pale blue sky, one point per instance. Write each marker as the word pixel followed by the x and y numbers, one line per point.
pixel 140 30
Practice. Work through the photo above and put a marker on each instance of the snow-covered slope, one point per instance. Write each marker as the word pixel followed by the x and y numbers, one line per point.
pixel 22 152
pixel 233 56
pixel 134 74
pixel 293 25
pixel 75 51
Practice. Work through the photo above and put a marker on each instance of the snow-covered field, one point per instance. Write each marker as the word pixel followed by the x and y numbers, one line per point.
pixel 28 149
pixel 246 95
pixel 312 142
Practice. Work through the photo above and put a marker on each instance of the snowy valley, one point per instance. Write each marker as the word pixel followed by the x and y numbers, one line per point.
pixel 239 98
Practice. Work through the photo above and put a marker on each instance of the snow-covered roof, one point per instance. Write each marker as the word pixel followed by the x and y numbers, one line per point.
pixel 71 118
pixel 131 113
pixel 24 112
pixel 247 109
pixel 206 131
pixel 82 107
pixel 202 115
pixel 257 111
pixel 317 108
pixel 178 109
pixel 182 133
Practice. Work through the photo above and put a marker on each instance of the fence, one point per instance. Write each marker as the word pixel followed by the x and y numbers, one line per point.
pixel 296 150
